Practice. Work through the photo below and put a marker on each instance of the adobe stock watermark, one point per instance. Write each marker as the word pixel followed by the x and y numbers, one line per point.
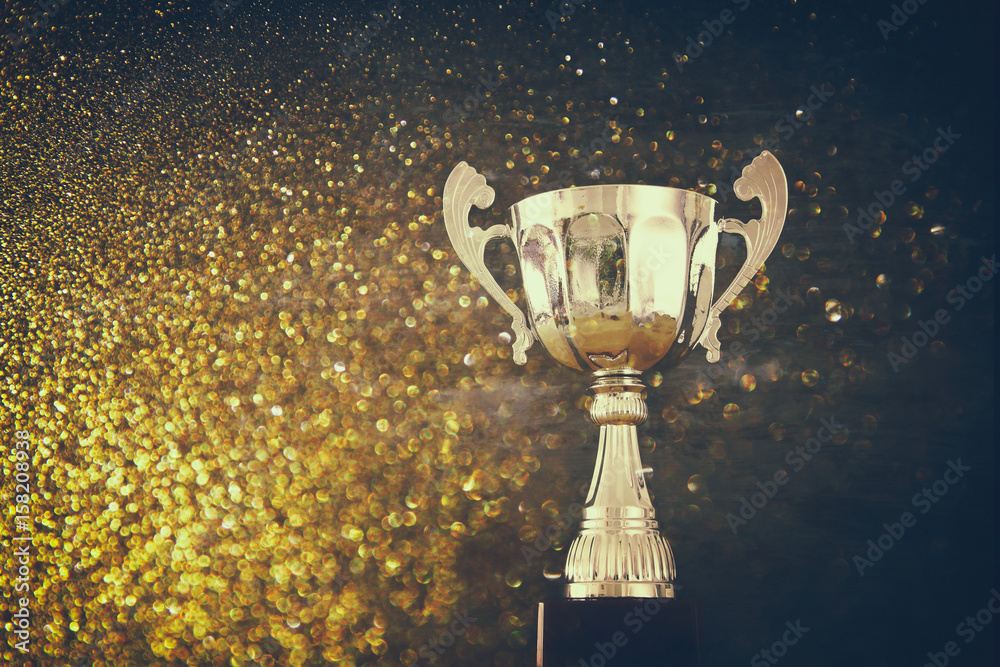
pixel 778 650
pixel 786 126
pixel 21 618
pixel 431 652
pixel 566 9
pixel 923 501
pixel 635 620
pixel 968 630
pixel 930 327
pixel 914 168
pixel 713 30
pixel 900 15
pixel 796 457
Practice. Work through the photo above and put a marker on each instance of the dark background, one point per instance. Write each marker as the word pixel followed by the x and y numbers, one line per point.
pixel 108 172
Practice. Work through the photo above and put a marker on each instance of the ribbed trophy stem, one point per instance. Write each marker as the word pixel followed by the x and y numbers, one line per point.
pixel 619 551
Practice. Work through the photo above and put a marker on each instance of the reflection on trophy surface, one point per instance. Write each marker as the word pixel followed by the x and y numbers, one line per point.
pixel 617 279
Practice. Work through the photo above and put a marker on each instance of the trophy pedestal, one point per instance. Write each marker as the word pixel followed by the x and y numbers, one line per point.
pixel 617 279
pixel 638 632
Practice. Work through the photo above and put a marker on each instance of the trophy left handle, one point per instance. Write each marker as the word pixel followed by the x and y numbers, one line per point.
pixel 765 179
pixel 465 187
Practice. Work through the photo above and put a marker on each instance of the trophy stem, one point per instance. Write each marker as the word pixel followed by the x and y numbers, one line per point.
pixel 619 551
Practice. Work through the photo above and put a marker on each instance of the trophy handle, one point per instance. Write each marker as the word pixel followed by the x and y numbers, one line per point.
pixel 763 178
pixel 465 187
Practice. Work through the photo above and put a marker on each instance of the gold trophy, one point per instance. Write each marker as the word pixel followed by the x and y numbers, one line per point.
pixel 617 278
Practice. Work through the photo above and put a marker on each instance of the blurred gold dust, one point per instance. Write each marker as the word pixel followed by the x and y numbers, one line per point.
pixel 273 420
pixel 251 434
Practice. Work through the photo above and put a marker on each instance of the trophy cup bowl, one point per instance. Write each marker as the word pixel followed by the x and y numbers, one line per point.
pixel 617 279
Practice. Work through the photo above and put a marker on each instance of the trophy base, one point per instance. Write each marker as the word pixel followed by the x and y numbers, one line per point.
pixel 638 632
pixel 619 589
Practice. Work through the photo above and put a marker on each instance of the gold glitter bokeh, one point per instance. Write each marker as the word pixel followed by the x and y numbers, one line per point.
pixel 272 419
pixel 244 373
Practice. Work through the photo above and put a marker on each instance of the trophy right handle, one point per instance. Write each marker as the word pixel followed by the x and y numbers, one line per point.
pixel 465 187
pixel 765 179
